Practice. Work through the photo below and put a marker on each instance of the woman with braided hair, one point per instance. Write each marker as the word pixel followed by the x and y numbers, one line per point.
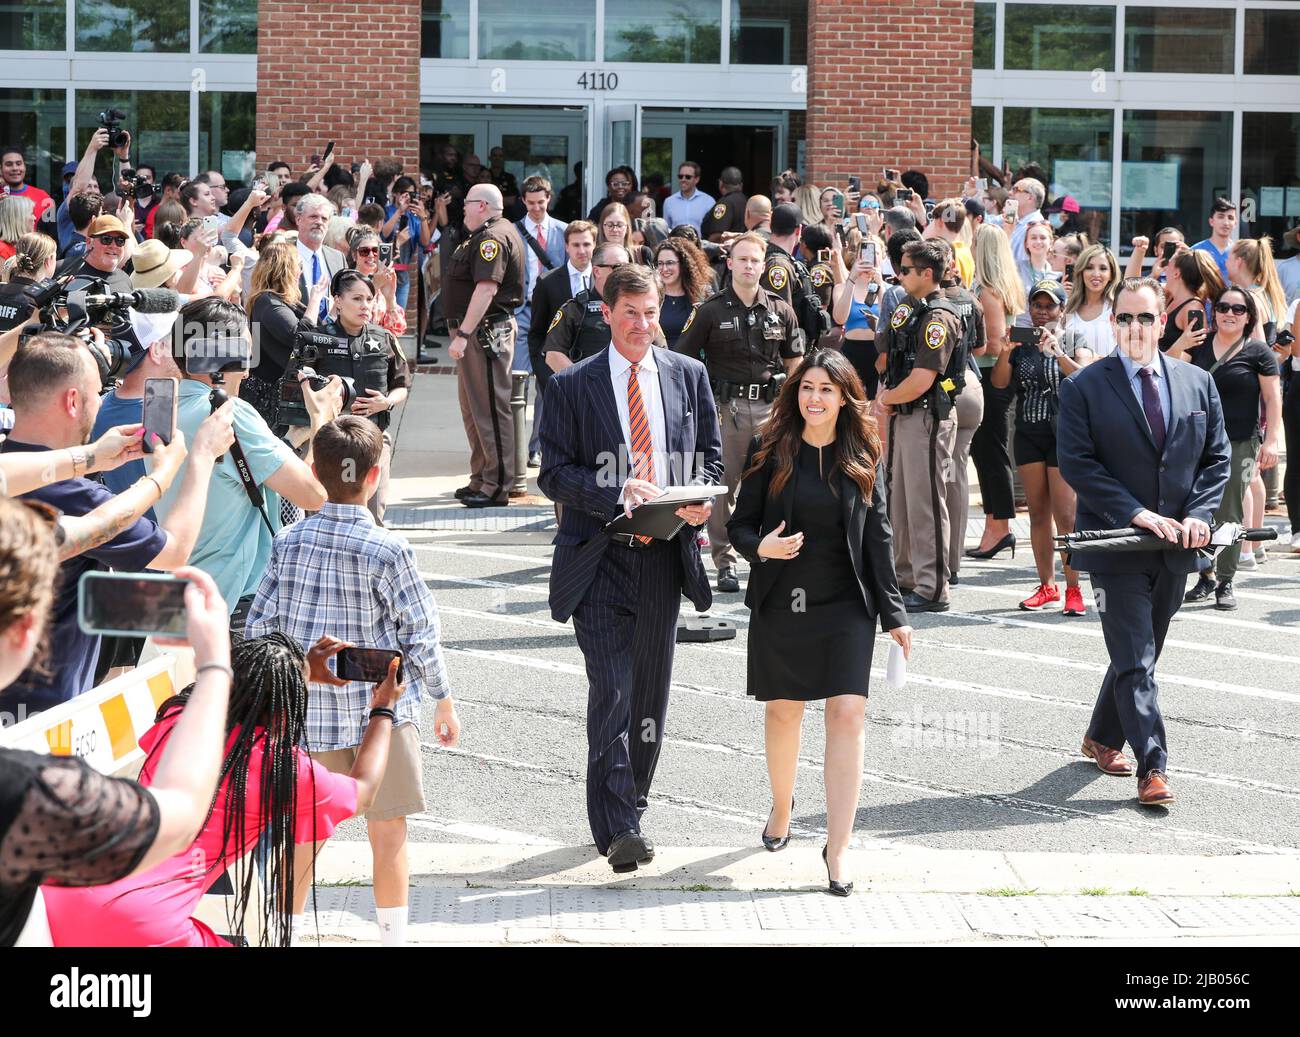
pixel 268 785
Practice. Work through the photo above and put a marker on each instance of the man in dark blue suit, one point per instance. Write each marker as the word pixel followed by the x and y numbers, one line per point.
pixel 1141 440
pixel 617 427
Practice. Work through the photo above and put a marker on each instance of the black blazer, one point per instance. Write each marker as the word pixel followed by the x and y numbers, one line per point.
pixel 870 539
pixel 550 293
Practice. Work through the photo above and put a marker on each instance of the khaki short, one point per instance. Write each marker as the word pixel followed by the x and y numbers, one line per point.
pixel 401 792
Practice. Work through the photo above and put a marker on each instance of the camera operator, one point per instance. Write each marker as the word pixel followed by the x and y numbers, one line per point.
pixel 33 261
pixel 54 385
pixel 212 348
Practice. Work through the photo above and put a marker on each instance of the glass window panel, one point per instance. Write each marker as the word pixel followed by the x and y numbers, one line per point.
pixel 1179 39
pixel 36 121
pixel 1074 146
pixel 158 121
pixel 133 25
pixel 523 30
pixel 34 24
pixel 678 31
pixel 444 29
pixel 1067 38
pixel 769 32
pixel 228 26
pixel 986 16
pixel 981 129
pixel 227 135
pixel 1271 48
pixel 1270 174
pixel 1175 163
pixel 657 160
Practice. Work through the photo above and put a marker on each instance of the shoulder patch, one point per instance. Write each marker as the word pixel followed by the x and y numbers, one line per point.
pixel 935 334
pixel 901 313
pixel 690 319
pixel 776 277
pixel 719 211
pixel 820 276
pixel 489 249
pixel 559 314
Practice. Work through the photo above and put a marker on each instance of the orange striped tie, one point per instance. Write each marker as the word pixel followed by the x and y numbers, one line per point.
pixel 642 445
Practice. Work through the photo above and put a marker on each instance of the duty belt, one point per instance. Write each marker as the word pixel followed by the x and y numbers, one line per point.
pixel 745 390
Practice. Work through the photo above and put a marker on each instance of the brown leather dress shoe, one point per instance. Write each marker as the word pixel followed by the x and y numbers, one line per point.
pixel 1153 790
pixel 1110 761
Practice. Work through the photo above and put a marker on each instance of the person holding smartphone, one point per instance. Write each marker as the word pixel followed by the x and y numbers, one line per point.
pixel 1192 283
pixel 367 253
pixel 856 306
pixel 1169 240
pixel 1040 358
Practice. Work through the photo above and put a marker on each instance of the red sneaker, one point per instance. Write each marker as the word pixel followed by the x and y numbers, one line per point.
pixel 1047 594
pixel 1073 602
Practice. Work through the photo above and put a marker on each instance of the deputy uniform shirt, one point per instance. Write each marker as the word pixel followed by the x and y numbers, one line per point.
pixel 779 276
pixel 494 252
pixel 727 215
pixel 15 307
pixel 738 343
pixel 823 282
pixel 583 313
pixel 940 333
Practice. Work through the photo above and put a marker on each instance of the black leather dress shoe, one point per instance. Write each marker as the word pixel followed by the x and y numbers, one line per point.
pixel 464 491
pixel 727 582
pixel 478 499
pixel 627 850
pixel 913 602
pixel 535 459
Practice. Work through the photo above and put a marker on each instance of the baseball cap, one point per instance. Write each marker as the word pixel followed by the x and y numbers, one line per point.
pixel 146 329
pixel 105 224
pixel 69 168
pixel 975 208
pixel 1052 288
pixel 786 218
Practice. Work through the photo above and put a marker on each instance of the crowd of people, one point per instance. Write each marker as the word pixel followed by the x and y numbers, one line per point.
pixel 835 358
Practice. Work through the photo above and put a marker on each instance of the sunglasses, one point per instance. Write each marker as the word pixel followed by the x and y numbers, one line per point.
pixel 113 239
pixel 367 250
pixel 902 269
pixel 606 266
pixel 869 205
pixel 685 176
pixel 1231 307
pixel 1125 319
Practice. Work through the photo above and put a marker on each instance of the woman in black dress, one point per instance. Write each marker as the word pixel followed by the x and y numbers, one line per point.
pixel 811 520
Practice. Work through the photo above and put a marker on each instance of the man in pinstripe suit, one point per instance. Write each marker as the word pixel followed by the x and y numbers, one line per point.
pixel 617 427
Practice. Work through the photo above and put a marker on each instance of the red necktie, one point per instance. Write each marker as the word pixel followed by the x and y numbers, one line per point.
pixel 639 426
pixel 541 235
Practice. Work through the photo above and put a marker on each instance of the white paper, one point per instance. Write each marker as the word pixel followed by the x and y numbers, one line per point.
pixel 1293 201
pixel 1272 201
pixel 895 667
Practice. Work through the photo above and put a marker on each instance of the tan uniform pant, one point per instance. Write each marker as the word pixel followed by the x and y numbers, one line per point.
pixel 920 457
pixel 969 412
pixel 483 387
pixel 740 421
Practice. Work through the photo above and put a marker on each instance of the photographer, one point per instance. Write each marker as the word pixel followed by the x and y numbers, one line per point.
pixel 62 822
pixel 213 350
pixel 1036 368
pixel 54 385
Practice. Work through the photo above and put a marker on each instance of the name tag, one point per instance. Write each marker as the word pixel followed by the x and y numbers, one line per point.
pixel 727 325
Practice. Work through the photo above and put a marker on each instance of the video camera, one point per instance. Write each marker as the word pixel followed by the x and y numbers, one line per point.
pixel 310 348
pixel 111 120
pixel 74 304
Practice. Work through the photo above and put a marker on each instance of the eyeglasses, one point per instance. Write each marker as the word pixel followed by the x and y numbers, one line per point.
pixel 620 183
pixel 367 250
pixel 473 201
pixel 1231 307
pixel 112 239
pixel 1125 319
pixel 606 266
pixel 666 264
pixel 614 226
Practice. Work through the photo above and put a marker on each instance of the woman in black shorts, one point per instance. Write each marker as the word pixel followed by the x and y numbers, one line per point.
pixel 1036 371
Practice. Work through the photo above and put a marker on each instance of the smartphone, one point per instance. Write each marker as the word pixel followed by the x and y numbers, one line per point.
pixel 823 255
pixel 1069 271
pixel 272 181
pixel 1026 336
pixel 891 175
pixel 982 183
pixel 869 253
pixel 1167 251
pixel 158 410
pixel 1195 320
pixel 839 204
pixel 366 664
pixel 903 194
pixel 855 184
pixel 131 604
pixel 385 252
pixel 1012 209
pixel 210 224
pixel 329 150
pixel 862 223
pixel 260 185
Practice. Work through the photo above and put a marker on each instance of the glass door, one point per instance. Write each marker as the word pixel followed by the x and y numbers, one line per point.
pixel 543 145
pixel 622 136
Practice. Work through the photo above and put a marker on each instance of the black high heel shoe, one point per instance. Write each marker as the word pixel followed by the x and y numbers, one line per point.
pixel 771 844
pixel 1007 541
pixel 835 889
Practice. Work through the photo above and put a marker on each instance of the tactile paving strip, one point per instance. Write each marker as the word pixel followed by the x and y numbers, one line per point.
pixel 495 520
pixel 881 914
pixel 1065 916
pixel 652 910
pixel 1253 913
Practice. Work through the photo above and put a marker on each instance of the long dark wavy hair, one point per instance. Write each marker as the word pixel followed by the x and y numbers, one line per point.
pixel 267 700
pixel 856 449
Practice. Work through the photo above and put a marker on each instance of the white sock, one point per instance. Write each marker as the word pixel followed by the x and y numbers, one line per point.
pixel 392 925
pixel 295 930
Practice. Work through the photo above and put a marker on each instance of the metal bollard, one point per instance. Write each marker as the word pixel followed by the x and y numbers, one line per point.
pixel 519 414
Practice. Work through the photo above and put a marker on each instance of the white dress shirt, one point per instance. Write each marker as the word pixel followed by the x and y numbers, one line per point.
pixel 648 380
pixel 578 279
pixel 533 268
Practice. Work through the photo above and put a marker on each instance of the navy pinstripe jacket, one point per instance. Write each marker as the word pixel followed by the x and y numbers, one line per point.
pixel 585 463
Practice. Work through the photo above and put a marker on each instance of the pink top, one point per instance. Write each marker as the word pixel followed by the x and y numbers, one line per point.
pixel 153 909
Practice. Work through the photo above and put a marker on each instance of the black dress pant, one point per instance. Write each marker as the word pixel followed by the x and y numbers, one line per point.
pixel 988 449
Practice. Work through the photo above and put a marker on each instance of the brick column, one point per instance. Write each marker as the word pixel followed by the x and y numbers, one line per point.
pixel 358 85
pixel 889 85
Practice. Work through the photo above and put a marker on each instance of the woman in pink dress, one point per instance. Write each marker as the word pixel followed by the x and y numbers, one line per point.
pixel 268 785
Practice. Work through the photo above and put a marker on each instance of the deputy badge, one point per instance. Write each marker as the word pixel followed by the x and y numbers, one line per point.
pixel 900 316
pixel 689 320
pixel 935 334
pixel 719 211
pixel 554 321
pixel 488 249
pixel 820 276
pixel 776 277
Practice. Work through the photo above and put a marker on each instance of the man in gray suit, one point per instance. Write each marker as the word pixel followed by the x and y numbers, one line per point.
pixel 319 261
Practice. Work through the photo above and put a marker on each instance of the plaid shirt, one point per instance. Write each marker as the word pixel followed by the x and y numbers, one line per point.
pixel 338 573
